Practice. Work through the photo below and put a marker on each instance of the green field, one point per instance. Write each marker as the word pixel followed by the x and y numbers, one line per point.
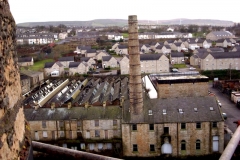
pixel 125 35
pixel 39 65
pixel 179 66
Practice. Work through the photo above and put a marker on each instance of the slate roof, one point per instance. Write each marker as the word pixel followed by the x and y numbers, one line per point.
pixel 216 49
pixel 177 54
pixel 91 51
pixel 25 59
pixel 74 64
pixel 122 46
pixel 221 33
pixel 78 113
pixel 202 50
pixel 71 58
pixel 178 44
pixel 48 64
pixel 106 58
pixel 172 106
pixel 167 46
pixel 149 57
pixel 85 59
pixel 222 55
pixel 84 47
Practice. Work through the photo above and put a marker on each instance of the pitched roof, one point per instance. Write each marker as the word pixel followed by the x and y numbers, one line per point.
pixel 120 46
pixel 167 46
pixel 216 49
pixel 74 64
pixel 66 58
pixel 178 43
pixel 177 54
pixel 172 106
pixel 222 55
pixel 149 57
pixel 201 50
pixel 25 59
pixel 106 58
pixel 84 47
pixel 79 113
pixel 91 51
pixel 220 33
pixel 85 59
pixel 50 64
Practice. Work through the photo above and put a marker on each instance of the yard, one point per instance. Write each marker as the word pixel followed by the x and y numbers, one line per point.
pixel 39 65
pixel 125 35
pixel 179 66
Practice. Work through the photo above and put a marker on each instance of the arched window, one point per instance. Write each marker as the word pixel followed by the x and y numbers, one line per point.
pixel 183 145
pixel 198 144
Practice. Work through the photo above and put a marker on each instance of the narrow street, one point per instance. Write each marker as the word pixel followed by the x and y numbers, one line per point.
pixel 228 107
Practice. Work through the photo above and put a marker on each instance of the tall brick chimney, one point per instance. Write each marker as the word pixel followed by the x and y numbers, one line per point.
pixel 12 121
pixel 135 82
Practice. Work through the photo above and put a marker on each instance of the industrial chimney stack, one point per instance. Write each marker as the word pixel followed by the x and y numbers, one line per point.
pixel 135 82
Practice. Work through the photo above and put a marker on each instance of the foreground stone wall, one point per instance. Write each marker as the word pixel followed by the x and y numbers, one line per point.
pixel 12 121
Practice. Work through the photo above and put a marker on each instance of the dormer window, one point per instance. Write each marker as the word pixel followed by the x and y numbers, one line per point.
pixel 164 111
pixel 180 110
pixel 150 112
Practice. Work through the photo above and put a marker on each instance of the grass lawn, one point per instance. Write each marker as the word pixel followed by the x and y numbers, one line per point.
pixel 179 66
pixel 125 35
pixel 39 64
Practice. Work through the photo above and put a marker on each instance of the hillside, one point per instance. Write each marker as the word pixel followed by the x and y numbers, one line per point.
pixel 123 22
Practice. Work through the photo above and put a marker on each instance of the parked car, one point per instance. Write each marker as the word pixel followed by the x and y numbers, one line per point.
pixel 224 116
pixel 192 68
pixel 174 70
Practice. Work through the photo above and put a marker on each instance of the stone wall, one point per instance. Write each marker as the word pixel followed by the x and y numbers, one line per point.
pixel 143 137
pixel 12 121
pixel 182 90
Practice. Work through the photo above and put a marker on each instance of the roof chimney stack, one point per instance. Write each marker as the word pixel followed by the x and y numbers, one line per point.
pixel 135 81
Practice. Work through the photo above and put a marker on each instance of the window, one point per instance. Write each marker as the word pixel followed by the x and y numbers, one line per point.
pixel 78 123
pixel 150 112
pixel 45 134
pixel 135 148
pixel 62 134
pixel 151 127
pixel 198 144
pixel 44 125
pixel 97 133
pixel 61 125
pixel 183 145
pixel 134 127
pixel 183 125
pixel 96 123
pixel 198 125
pixel 166 130
pixel 152 148
pixel 214 124
pixel 114 122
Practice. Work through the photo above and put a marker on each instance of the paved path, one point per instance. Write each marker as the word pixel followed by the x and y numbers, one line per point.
pixel 233 113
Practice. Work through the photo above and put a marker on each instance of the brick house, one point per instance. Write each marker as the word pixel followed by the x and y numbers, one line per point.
pixel 150 63
pixel 223 43
pixel 177 58
pixel 100 54
pixel 65 61
pixel 78 67
pixel 109 61
pixel 204 43
pixel 178 46
pixel 122 50
pixel 36 78
pixel 90 53
pixel 215 35
pixel 55 69
pixel 90 61
pixel 145 48
pixel 25 61
pixel 165 49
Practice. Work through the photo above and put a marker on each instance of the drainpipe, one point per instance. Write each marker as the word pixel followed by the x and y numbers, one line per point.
pixel 232 144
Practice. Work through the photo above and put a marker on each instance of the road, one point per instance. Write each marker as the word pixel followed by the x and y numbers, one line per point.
pixel 233 113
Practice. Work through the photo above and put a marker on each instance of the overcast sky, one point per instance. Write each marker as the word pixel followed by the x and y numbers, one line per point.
pixel 80 10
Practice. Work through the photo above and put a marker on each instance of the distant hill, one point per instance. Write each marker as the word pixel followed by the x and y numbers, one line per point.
pixel 123 22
